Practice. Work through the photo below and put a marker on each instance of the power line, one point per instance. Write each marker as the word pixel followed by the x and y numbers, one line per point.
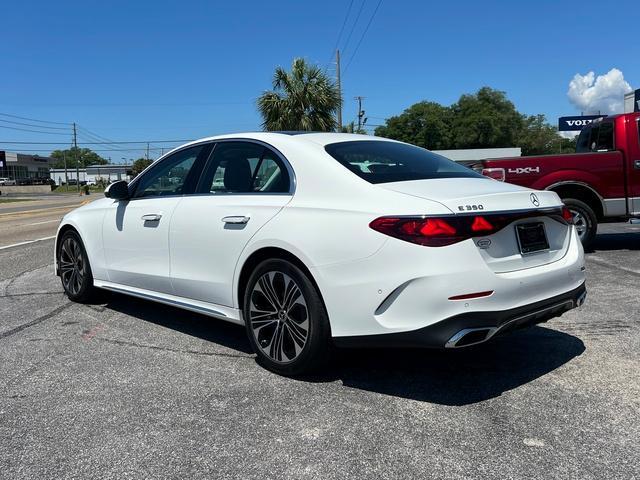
pixel 34 125
pixel 184 140
pixel 33 131
pixel 102 150
pixel 95 135
pixel 363 35
pixel 34 119
pixel 344 23
pixel 353 27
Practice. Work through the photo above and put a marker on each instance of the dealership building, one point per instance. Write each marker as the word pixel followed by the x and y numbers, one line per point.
pixel 92 174
pixel 20 165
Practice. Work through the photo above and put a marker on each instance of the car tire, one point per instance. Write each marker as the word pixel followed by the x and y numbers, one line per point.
pixel 74 268
pixel 585 220
pixel 286 320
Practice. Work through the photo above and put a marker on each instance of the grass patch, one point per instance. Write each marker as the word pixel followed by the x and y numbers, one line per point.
pixel 13 200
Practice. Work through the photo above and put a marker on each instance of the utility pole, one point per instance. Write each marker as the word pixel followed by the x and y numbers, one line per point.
pixel 360 113
pixel 66 176
pixel 339 85
pixel 75 154
pixel 147 154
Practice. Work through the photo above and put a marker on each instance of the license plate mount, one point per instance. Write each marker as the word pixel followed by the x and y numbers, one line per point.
pixel 532 237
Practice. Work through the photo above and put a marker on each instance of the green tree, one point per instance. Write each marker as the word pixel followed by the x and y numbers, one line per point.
pixel 486 119
pixel 537 137
pixel 139 165
pixel 83 156
pixel 303 99
pixel 426 124
pixel 568 145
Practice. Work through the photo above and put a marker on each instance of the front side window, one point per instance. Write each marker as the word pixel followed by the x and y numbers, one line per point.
pixel 168 177
pixel 381 162
pixel 243 167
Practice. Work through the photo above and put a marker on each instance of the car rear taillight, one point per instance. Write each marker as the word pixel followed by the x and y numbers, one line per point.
pixel 495 173
pixel 449 229
pixel 428 231
pixel 567 215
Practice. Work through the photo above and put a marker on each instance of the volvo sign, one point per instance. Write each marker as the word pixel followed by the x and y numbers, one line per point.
pixel 569 124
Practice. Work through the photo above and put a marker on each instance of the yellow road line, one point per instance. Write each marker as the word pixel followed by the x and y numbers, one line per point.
pixel 51 210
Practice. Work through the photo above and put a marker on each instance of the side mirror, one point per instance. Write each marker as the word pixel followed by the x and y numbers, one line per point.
pixel 117 190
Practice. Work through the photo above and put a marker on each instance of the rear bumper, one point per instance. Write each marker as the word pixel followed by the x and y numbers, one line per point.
pixel 472 327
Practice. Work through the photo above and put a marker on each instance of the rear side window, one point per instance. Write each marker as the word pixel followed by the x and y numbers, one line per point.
pixel 244 167
pixel 596 138
pixel 605 137
pixel 382 162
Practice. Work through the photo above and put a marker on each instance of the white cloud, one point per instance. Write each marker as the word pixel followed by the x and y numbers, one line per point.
pixel 570 135
pixel 604 93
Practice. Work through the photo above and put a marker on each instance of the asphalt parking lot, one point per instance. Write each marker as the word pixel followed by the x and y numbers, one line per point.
pixel 130 389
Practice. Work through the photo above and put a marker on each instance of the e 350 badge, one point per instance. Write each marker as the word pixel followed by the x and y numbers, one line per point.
pixel 470 208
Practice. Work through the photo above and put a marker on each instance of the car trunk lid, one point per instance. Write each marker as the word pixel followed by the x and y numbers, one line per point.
pixel 503 251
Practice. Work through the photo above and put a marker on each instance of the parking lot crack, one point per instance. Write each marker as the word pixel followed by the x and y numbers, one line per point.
pixel 604 264
pixel 169 349
pixel 12 295
pixel 35 321
pixel 17 276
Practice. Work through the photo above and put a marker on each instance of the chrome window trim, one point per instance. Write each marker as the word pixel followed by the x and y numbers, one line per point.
pixel 134 182
pixel 278 153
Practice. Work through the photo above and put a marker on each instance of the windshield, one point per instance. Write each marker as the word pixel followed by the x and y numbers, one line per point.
pixel 383 162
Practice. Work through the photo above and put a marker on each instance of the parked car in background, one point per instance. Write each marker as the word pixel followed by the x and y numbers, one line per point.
pixel 599 183
pixel 7 181
pixel 314 239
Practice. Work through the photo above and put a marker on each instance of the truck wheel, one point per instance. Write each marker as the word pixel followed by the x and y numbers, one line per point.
pixel 585 220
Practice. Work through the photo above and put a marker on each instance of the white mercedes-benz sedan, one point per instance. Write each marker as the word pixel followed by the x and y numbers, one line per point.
pixel 312 240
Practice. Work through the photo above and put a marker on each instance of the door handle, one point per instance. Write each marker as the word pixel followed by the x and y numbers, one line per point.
pixel 151 217
pixel 236 219
pixel 636 164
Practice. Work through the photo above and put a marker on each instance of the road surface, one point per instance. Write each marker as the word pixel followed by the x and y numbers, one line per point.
pixel 124 388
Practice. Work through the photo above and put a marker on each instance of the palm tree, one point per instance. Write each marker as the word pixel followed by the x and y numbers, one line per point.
pixel 303 99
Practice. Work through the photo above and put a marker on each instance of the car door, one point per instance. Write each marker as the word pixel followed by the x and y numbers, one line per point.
pixel 136 231
pixel 244 185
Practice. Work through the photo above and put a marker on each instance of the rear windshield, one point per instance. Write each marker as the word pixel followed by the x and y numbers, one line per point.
pixel 383 162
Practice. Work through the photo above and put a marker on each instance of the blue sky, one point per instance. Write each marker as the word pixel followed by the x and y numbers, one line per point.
pixel 179 70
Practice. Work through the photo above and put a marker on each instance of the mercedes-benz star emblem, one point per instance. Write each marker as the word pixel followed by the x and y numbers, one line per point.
pixel 534 199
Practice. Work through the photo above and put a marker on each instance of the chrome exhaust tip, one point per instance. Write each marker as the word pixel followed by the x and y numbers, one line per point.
pixel 470 336
pixel 581 299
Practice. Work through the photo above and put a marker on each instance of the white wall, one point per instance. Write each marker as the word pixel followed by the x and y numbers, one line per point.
pixel 57 175
pixel 463 154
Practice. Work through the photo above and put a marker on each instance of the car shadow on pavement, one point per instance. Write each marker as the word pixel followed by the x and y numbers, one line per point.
pixel 183 321
pixel 459 377
pixel 447 377
pixel 616 241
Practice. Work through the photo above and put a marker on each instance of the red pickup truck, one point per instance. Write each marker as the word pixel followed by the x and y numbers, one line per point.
pixel 598 183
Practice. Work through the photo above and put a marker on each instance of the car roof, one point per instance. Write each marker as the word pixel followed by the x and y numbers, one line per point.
pixel 319 138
